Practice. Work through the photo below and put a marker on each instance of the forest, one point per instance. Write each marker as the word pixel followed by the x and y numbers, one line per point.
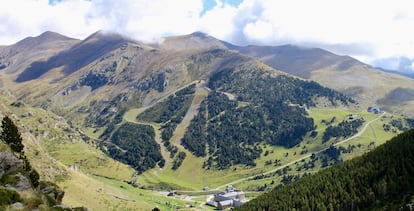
pixel 344 129
pixel 382 179
pixel 267 110
pixel 134 145
pixel 170 112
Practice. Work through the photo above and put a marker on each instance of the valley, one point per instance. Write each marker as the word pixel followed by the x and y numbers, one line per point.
pixel 123 127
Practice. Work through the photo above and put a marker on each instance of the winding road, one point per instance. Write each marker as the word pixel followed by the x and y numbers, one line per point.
pixel 305 156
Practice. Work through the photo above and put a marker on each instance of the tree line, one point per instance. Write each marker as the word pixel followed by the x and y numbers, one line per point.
pixel 382 179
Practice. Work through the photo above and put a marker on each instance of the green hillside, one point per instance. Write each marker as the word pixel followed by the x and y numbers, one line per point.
pixel 270 109
pixel 117 123
pixel 379 180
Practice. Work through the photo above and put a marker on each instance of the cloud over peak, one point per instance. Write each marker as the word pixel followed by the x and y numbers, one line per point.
pixel 369 30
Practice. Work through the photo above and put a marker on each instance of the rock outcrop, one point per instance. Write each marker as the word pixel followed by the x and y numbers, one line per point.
pixel 8 163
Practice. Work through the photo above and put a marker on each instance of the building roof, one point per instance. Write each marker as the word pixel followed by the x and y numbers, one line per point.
pixel 226 203
pixel 233 194
pixel 212 203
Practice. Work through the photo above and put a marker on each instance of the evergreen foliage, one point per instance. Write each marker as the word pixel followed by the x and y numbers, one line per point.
pixel 170 109
pixel 10 135
pixel 178 160
pixel 272 112
pixel 382 179
pixel 33 175
pixel 135 145
pixel 170 113
pixel 343 129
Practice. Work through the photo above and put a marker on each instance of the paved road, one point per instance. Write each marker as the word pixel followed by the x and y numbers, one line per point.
pixel 305 156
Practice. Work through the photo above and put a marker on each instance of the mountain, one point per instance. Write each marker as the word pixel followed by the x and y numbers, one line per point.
pixel 22 54
pixel 196 40
pixel 71 60
pixel 410 75
pixel 366 84
pixel 380 180
pixel 184 114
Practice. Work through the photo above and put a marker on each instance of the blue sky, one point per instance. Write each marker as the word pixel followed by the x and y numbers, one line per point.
pixel 376 32
pixel 53 2
pixel 210 4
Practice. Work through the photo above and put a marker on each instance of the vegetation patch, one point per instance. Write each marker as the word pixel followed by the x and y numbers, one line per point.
pixel 274 113
pixel 170 113
pixel 135 145
pixel 381 179
pixel 343 129
pixel 8 197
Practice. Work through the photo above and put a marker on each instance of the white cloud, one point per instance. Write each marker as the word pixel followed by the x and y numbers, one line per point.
pixel 403 64
pixel 219 21
pixel 148 20
pixel 22 18
pixel 369 30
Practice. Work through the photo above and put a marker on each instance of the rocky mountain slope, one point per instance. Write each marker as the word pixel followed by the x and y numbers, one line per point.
pixel 20 184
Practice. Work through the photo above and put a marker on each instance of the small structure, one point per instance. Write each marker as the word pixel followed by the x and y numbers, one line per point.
pixel 375 110
pixel 229 188
pixel 231 198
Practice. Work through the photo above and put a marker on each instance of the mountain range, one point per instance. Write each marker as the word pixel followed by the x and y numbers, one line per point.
pixel 55 57
pixel 166 109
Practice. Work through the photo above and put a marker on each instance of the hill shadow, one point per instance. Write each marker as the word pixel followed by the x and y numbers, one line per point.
pixel 73 59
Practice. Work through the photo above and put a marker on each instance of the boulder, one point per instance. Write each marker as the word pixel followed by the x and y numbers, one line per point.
pixel 52 191
pixel 8 163
pixel 17 206
pixel 22 183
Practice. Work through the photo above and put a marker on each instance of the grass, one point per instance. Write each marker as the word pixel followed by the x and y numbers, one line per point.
pixel 106 190
pixel 372 85
pixel 193 177
pixel 83 190
pixel 90 160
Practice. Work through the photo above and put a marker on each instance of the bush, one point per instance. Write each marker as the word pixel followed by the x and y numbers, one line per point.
pixel 9 179
pixel 8 197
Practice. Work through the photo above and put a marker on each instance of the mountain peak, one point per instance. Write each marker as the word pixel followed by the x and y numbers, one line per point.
pixel 49 35
pixel 195 40
pixel 107 36
pixel 199 34
pixel 43 38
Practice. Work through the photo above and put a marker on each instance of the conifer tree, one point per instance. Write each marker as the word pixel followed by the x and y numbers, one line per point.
pixel 10 135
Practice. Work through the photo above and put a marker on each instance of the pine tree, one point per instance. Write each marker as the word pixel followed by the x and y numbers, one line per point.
pixel 10 135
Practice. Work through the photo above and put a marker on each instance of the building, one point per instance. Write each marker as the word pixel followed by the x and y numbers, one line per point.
pixel 238 195
pixel 230 198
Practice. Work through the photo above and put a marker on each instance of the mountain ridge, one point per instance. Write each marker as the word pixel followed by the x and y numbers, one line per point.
pixel 371 86
pixel 186 102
